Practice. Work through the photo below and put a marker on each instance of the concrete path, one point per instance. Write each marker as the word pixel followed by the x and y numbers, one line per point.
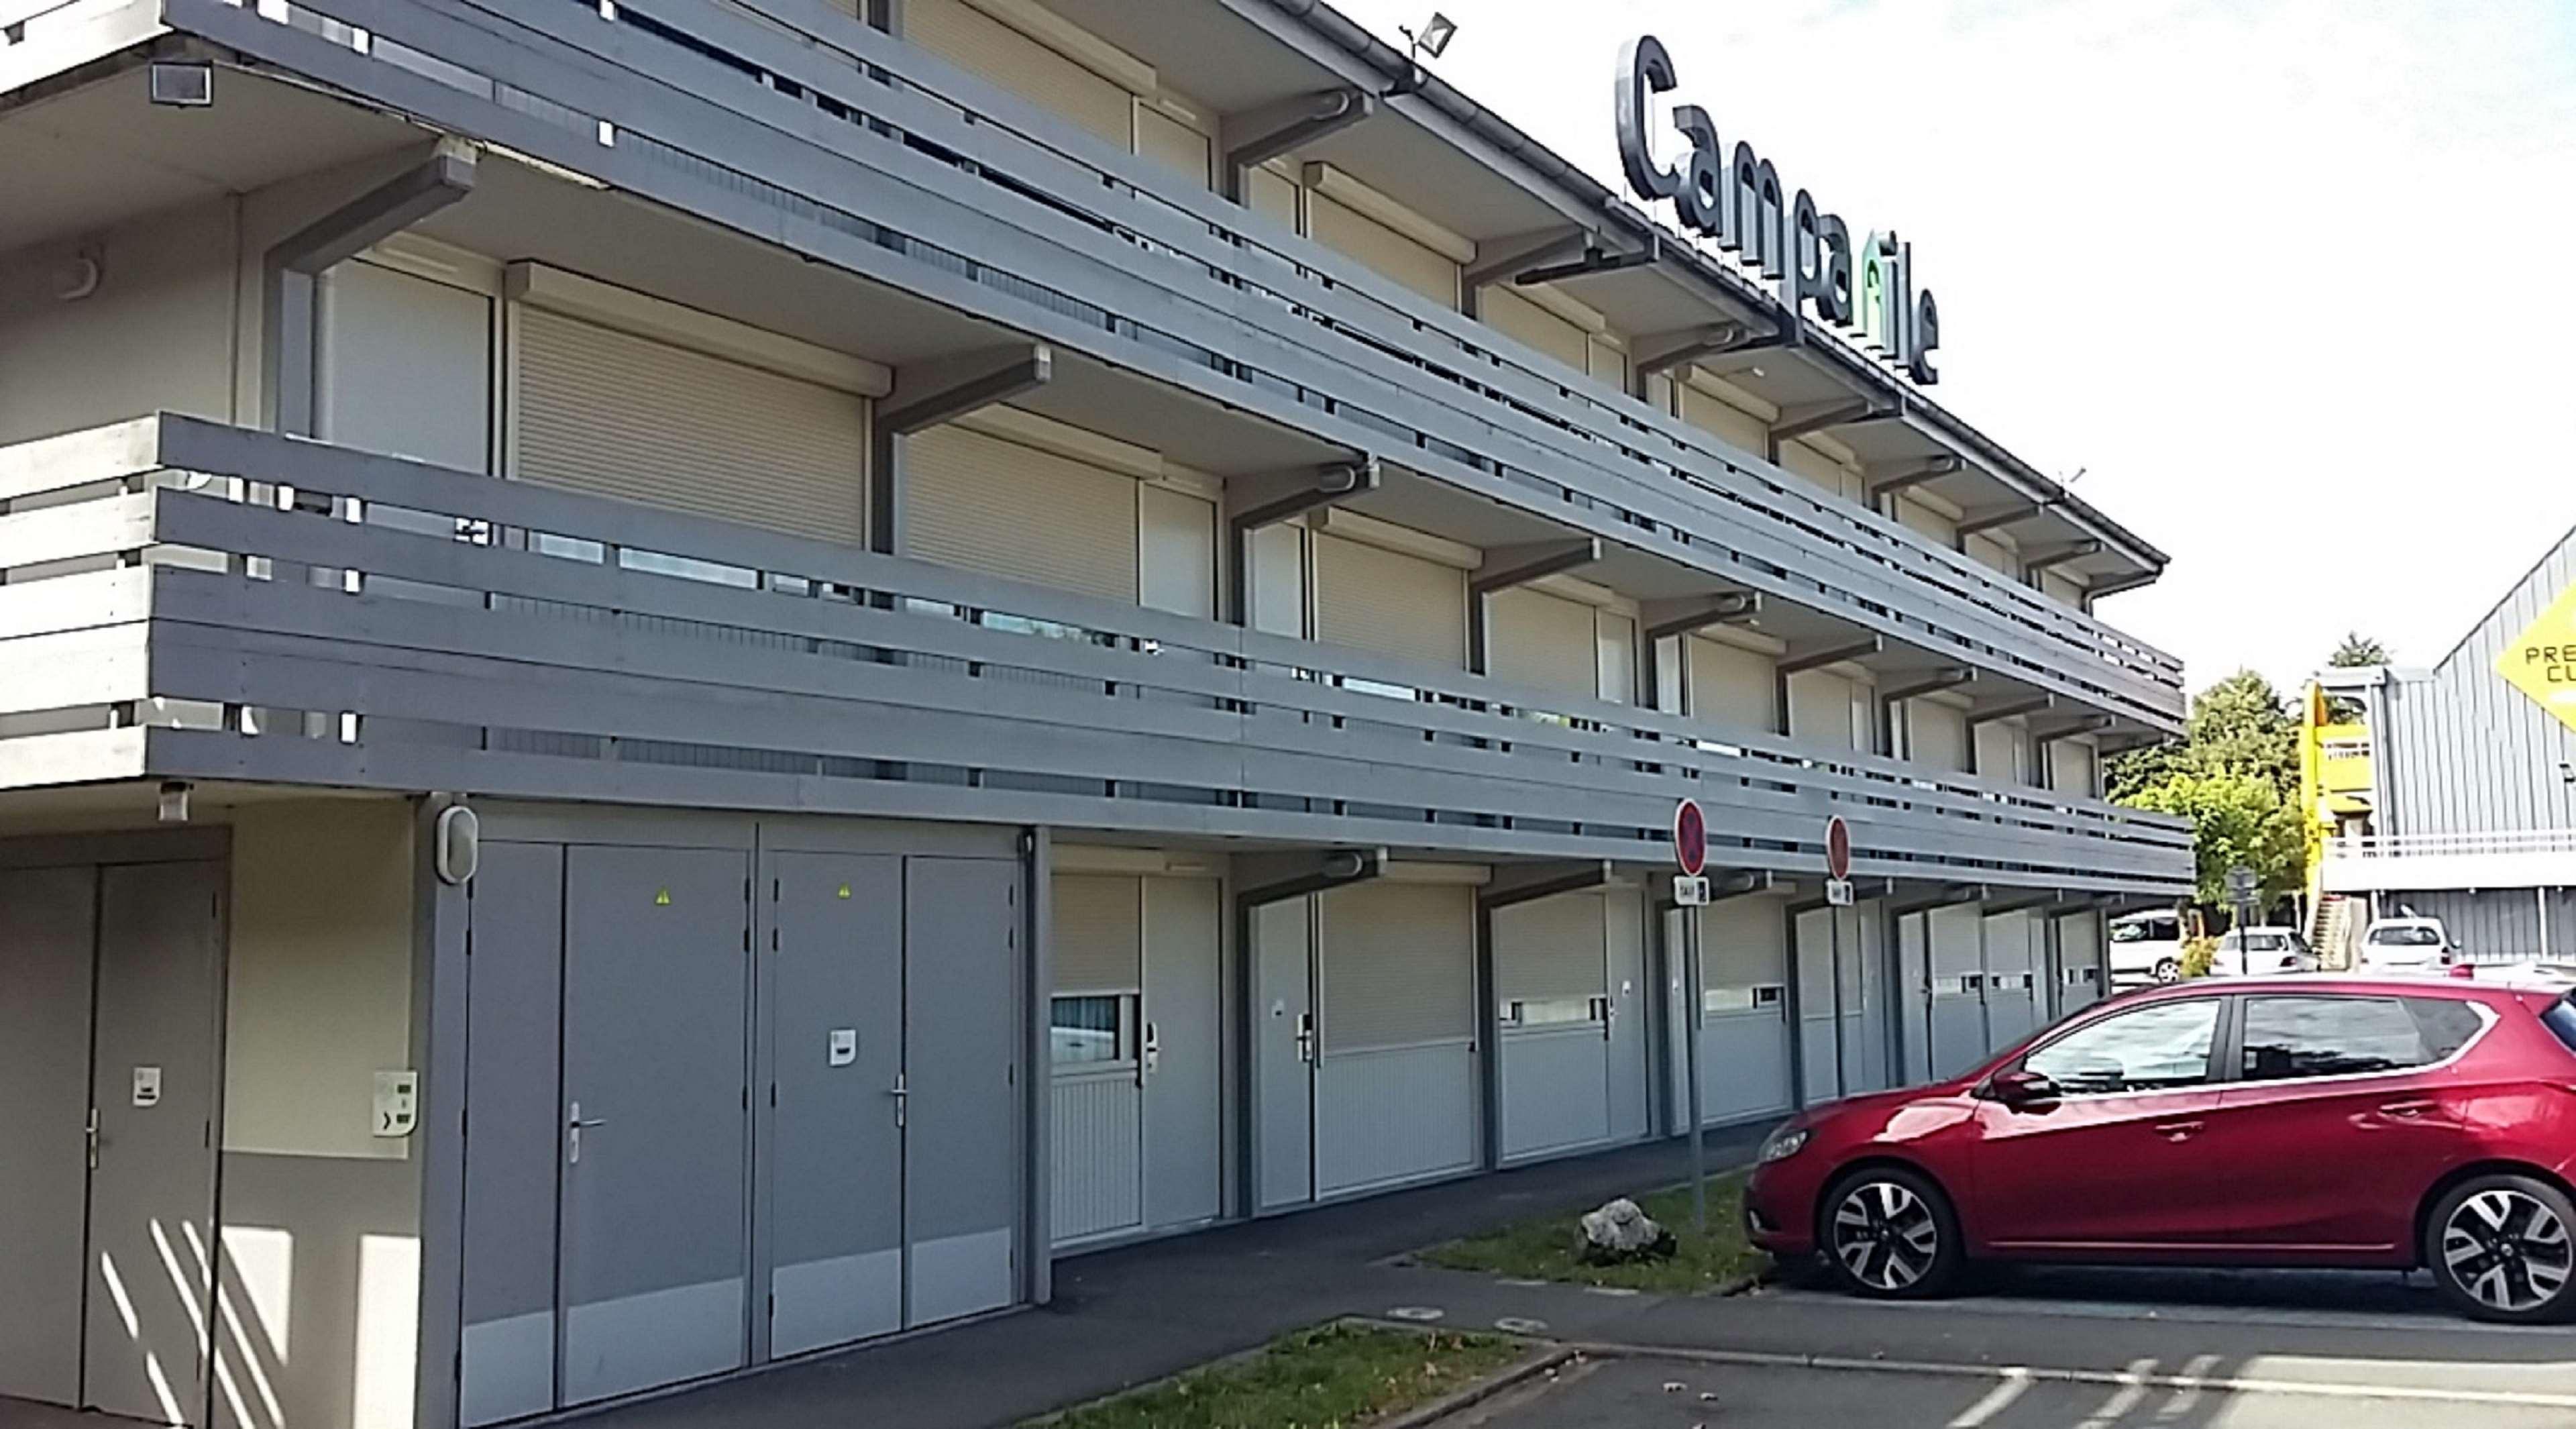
pixel 1123 1317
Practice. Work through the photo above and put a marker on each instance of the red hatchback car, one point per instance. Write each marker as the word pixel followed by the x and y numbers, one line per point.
pixel 2298 1121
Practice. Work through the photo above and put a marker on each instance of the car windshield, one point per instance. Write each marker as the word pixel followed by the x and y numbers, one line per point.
pixel 2414 937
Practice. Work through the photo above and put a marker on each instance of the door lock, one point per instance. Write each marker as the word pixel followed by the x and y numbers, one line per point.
pixel 1306 1038
pixel 92 1138
pixel 902 1094
pixel 1153 1058
pixel 575 1125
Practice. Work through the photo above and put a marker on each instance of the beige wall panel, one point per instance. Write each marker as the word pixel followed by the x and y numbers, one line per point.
pixel 1804 460
pixel 2003 751
pixel 982 45
pixel 995 506
pixel 2072 768
pixel 1273 195
pixel 1614 639
pixel 1609 365
pixel 1176 551
pixel 1820 710
pixel 2059 586
pixel 1277 584
pixel 1724 421
pixel 1734 688
pixel 618 415
pixel 1526 321
pixel 1939 529
pixel 1338 226
pixel 156 335
pixel 404 366
pixel 1939 734
pixel 318 995
pixel 1988 551
pixel 1544 641
pixel 1389 602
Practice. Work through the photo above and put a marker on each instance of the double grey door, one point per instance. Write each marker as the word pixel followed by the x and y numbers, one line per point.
pixel 108 1090
pixel 699 1133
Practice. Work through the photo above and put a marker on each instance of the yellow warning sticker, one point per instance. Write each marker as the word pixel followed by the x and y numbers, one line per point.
pixel 2541 662
pixel 662 899
pixel 845 891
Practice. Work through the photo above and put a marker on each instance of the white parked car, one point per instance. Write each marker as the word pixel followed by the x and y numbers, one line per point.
pixel 2540 976
pixel 2407 945
pixel 2262 952
pixel 2146 947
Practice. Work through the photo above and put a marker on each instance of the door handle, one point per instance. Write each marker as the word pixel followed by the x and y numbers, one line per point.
pixel 574 1125
pixel 2180 1131
pixel 2407 1111
pixel 901 1091
pixel 92 1138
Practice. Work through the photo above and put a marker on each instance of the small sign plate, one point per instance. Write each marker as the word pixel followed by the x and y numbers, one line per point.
pixel 1690 891
pixel 845 1047
pixel 1838 892
pixel 397 1103
pixel 147 1086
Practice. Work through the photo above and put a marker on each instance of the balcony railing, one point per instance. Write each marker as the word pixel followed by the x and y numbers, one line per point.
pixel 2453 845
pixel 2494 858
pixel 788 119
pixel 188 600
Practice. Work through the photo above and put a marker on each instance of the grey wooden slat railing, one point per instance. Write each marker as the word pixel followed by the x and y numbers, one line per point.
pixel 1737 517
pixel 782 648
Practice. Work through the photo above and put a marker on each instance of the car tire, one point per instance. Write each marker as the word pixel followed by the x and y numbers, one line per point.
pixel 1889 1233
pixel 2502 1248
pixel 2168 970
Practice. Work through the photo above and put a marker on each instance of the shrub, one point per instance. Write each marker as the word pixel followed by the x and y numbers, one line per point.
pixel 2198 954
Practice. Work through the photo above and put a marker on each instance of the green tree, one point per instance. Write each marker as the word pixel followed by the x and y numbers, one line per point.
pixel 2237 818
pixel 2356 651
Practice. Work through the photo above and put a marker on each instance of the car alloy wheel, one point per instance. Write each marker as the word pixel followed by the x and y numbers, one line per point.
pixel 1886 1238
pixel 2508 1250
pixel 2168 970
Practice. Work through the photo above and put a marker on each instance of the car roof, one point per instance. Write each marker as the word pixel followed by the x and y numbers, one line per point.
pixel 2314 983
pixel 2406 922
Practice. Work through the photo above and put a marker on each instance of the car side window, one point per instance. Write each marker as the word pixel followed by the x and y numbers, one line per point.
pixel 2447 1024
pixel 2155 1048
pixel 2289 1037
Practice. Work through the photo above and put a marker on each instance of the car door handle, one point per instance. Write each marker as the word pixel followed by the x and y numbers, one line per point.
pixel 2407 1111
pixel 2180 1131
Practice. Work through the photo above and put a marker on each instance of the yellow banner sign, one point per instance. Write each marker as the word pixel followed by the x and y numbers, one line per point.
pixel 2541 662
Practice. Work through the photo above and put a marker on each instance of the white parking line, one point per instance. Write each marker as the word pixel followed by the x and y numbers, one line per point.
pixel 2134 1378
pixel 2432 1317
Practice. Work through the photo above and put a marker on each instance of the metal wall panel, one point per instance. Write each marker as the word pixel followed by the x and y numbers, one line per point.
pixel 1099 1147
pixel 2496 925
pixel 962 1163
pixel 655 1263
pixel 980 44
pixel 1389 602
pixel 515 1138
pixel 2465 752
pixel 1282 1018
pixel 1185 1074
pixel 1391 1115
pixel 152 1196
pixel 619 415
pixel 831 1181
pixel 46 938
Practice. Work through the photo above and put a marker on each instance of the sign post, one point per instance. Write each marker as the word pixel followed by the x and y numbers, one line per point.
pixel 1838 896
pixel 1690 894
pixel 2244 891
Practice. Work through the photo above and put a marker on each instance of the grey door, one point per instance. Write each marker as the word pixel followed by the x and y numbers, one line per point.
pixel 46 936
pixel 656 1110
pixel 1183 1010
pixel 832 1172
pixel 515 1136
pixel 152 1195
pixel 1283 1033
pixel 962 1149
pixel 1628 1003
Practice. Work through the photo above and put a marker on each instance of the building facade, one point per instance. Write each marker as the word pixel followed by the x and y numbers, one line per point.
pixel 2450 792
pixel 683 683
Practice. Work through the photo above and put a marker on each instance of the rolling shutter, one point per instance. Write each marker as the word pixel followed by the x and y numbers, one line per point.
pixel 1991 552
pixel 1339 226
pixel 1176 562
pixel 1937 735
pixel 1550 948
pixel 1609 362
pixel 1725 421
pixel 981 45
pixel 1744 943
pixel 1399 965
pixel 2070 768
pixel 1733 688
pixel 1526 321
pixel 1804 460
pixel 2064 587
pixel 1008 510
pixel 1820 709
pixel 618 415
pixel 1926 522
pixel 1389 602
pixel 1544 641
pixel 1615 638
pixel 1166 140
pixel 2003 751
pixel 1098 932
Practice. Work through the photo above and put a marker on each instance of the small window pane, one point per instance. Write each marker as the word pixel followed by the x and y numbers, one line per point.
pixel 2289 1037
pixel 2446 1025
pixel 2561 1018
pixel 2151 1049
pixel 1086 1030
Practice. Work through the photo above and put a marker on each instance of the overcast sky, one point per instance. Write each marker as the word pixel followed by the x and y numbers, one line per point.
pixel 2293 283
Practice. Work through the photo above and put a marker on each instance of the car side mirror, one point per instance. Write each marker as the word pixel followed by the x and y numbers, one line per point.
pixel 2021 1089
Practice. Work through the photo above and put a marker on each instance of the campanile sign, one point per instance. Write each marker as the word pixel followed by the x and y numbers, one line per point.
pixel 1738 198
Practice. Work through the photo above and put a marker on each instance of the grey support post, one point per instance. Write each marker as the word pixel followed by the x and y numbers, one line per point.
pixel 291 268
pixel 438 1015
pixel 1037 971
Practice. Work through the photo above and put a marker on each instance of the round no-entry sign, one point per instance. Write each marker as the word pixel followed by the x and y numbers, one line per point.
pixel 1837 847
pixel 1690 837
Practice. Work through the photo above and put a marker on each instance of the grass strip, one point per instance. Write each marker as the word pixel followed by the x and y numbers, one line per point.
pixel 1544 1247
pixel 1335 1376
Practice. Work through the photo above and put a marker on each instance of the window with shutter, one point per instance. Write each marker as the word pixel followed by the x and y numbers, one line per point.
pixel 1820 710
pixel 1937 734
pixel 1339 226
pixel 1550 950
pixel 1535 326
pixel 990 505
pixel 981 45
pixel 1924 521
pixel 1389 602
pixel 1733 688
pixel 1099 932
pixel 1723 420
pixel 1398 965
pixel 614 414
pixel 1544 642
